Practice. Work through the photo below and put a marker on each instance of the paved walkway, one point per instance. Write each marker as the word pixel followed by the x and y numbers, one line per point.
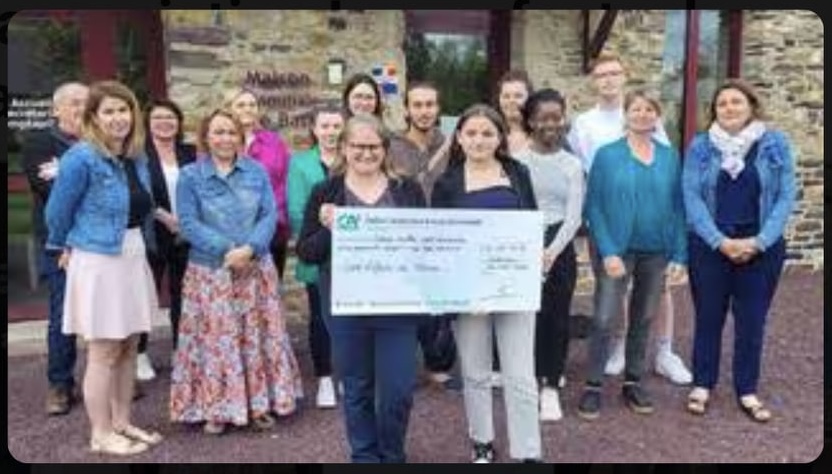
pixel 792 383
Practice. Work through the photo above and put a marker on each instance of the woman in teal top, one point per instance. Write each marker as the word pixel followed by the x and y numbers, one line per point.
pixel 306 169
pixel 635 216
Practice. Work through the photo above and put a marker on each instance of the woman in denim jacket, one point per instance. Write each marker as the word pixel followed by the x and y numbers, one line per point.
pixel 234 362
pixel 97 211
pixel 739 190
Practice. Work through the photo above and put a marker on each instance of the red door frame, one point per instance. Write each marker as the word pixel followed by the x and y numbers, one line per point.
pixel 98 39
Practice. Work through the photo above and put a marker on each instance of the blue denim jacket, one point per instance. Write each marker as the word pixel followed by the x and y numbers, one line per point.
pixel 89 204
pixel 775 165
pixel 219 213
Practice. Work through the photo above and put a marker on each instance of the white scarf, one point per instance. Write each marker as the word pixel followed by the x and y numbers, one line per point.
pixel 735 147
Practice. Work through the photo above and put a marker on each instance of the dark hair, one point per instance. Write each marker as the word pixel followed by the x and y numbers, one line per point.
pixel 512 75
pixel 457 156
pixel 534 101
pixel 324 109
pixel 352 83
pixel 419 85
pixel 165 104
pixel 746 89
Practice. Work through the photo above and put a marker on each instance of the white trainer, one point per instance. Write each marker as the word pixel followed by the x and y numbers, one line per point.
pixel 550 405
pixel 326 393
pixel 615 364
pixel 144 369
pixel 671 366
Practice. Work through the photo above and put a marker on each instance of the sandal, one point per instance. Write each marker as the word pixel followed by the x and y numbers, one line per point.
pixel 755 409
pixel 213 428
pixel 115 443
pixel 698 400
pixel 263 422
pixel 138 434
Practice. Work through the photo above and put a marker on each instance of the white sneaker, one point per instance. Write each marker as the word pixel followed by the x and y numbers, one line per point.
pixel 496 380
pixel 326 393
pixel 562 381
pixel 550 405
pixel 144 369
pixel 671 366
pixel 615 364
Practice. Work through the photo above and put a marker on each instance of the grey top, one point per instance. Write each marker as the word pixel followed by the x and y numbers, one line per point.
pixel 385 200
pixel 559 189
pixel 412 162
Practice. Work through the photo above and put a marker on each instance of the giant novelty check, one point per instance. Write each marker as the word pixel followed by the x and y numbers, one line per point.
pixel 406 261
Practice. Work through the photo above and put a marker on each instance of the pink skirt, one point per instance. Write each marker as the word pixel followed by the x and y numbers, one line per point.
pixel 110 296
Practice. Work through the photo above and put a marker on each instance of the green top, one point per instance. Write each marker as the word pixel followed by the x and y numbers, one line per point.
pixel 305 171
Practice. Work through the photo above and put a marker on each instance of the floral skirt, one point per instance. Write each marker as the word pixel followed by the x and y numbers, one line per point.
pixel 234 361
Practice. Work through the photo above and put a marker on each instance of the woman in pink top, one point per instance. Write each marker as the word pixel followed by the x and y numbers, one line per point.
pixel 271 151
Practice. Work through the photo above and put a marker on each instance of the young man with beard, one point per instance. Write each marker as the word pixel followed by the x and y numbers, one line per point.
pixel 420 152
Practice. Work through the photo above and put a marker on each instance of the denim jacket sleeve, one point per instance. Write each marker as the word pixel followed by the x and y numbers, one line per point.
pixel 699 217
pixel 266 222
pixel 187 206
pixel 66 194
pixel 775 222
pixel 593 214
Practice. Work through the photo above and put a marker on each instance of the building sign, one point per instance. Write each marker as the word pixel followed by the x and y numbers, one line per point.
pixel 286 98
pixel 29 112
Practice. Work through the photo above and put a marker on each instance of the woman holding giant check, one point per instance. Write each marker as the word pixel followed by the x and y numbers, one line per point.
pixel 482 175
pixel 374 355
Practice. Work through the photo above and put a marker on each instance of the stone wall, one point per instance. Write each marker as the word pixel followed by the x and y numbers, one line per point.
pixel 281 54
pixel 783 58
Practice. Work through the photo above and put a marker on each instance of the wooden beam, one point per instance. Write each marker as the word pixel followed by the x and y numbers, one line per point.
pixel 734 43
pixel 585 39
pixel 691 70
pixel 602 33
pixel 499 47
pixel 98 38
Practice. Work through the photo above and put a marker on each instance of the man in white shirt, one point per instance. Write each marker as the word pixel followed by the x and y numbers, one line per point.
pixel 591 130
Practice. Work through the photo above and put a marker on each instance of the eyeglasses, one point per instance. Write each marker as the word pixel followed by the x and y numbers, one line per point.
pixel 361 147
pixel 601 75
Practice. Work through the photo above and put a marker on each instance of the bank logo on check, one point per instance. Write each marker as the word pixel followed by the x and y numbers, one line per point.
pixel 348 222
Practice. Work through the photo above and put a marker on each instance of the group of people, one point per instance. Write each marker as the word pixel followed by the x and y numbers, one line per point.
pixel 122 201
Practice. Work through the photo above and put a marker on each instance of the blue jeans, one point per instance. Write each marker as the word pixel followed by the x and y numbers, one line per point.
pixel 61 347
pixel 646 270
pixel 375 357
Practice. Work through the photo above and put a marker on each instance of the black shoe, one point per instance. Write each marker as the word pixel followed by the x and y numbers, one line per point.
pixel 58 401
pixel 637 398
pixel 483 453
pixel 589 407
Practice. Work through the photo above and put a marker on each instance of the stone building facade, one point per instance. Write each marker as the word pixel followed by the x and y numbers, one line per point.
pixel 284 56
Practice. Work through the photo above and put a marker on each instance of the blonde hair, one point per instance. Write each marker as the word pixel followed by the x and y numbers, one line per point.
pixel 232 94
pixel 90 131
pixel 361 120
pixel 644 94
pixel 205 124
pixel 606 57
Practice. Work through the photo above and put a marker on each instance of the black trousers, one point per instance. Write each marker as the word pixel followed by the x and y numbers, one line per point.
pixel 174 261
pixel 552 326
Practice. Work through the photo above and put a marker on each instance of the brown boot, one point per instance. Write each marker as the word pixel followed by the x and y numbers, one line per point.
pixel 57 401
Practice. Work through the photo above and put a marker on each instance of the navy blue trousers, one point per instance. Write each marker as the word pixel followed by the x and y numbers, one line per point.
pixel 719 285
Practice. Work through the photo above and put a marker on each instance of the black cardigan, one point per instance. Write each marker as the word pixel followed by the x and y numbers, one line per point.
pixel 451 185
pixel 185 154
pixel 315 240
